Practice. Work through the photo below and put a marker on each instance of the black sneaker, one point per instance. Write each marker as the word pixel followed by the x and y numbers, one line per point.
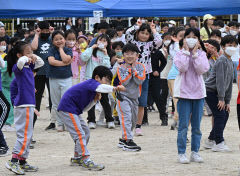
pixel 4 151
pixel 116 120
pixel 52 126
pixel 121 143
pixel 131 146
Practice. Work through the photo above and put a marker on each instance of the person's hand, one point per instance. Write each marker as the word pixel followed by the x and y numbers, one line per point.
pixel 51 29
pixel 36 112
pixel 185 46
pixel 37 31
pixel 153 27
pixel 104 51
pixel 174 39
pixel 121 88
pixel 155 73
pixel 98 97
pixel 61 46
pixel 221 105
pixel 196 47
pixel 228 108
pixel 119 61
pixel 94 46
pixel 139 22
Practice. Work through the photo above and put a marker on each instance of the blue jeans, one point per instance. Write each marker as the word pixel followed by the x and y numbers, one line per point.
pixel 189 108
pixel 144 94
pixel 235 64
pixel 220 118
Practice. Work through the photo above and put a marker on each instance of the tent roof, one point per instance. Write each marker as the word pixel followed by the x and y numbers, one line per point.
pixel 116 8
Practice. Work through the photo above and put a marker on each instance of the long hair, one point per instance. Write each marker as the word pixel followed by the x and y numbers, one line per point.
pixel 102 36
pixel 179 29
pixel 206 28
pixel 12 55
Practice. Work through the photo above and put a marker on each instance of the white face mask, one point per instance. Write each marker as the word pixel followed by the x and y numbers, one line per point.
pixel 230 50
pixel 167 42
pixel 232 32
pixel 71 43
pixel 3 48
pixel 191 42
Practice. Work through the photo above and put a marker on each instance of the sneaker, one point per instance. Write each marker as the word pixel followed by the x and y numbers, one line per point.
pixel 90 165
pixel 31 146
pixel 28 168
pixel 182 158
pixel 8 128
pixel 76 161
pixel 129 145
pixel 101 123
pixel 116 120
pixel 4 151
pixel 52 126
pixel 111 125
pixel 14 167
pixel 121 143
pixel 138 132
pixel 209 144
pixel 33 141
pixel 92 125
pixel 173 125
pixel 60 128
pixel 221 147
pixel 195 157
pixel 145 124
pixel 164 121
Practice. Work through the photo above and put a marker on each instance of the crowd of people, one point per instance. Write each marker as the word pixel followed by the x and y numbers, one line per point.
pixel 121 71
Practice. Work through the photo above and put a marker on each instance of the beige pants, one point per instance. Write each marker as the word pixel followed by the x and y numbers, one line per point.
pixel 171 89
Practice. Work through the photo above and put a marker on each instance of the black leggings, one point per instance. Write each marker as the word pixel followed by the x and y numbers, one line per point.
pixel 4 111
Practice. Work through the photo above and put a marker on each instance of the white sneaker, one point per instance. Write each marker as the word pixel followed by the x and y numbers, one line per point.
pixel 221 147
pixel 92 125
pixel 60 128
pixel 182 158
pixel 195 157
pixel 8 128
pixel 111 125
pixel 138 132
pixel 101 123
pixel 209 144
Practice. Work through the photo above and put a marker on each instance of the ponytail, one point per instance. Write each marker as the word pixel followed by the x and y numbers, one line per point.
pixel 12 58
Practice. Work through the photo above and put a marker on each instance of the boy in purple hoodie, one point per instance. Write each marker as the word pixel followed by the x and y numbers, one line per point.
pixel 77 99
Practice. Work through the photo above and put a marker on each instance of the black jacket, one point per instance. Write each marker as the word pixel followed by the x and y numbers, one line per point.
pixel 158 62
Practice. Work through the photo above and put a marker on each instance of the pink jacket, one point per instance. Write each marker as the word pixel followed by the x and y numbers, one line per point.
pixel 189 84
pixel 76 63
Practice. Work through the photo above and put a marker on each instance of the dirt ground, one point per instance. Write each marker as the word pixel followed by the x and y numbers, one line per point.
pixel 53 151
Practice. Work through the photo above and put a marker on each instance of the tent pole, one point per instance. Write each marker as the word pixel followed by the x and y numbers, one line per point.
pixel 129 21
pixel 108 20
pixel 231 17
pixel 73 21
pixel 184 20
pixel 18 21
pixel 12 27
pixel 199 22
pixel 239 18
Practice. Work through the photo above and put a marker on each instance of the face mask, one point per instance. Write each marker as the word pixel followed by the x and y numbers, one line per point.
pixel 170 25
pixel 3 48
pixel 119 54
pixel 232 32
pixel 83 45
pixel 70 44
pixel 191 42
pixel 167 42
pixel 230 50
pixel 101 46
pixel 44 36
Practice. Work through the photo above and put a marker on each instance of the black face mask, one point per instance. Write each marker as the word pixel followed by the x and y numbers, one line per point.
pixel 44 36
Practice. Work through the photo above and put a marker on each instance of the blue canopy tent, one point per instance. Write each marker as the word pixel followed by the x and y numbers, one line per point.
pixel 169 8
pixel 116 8
pixel 47 8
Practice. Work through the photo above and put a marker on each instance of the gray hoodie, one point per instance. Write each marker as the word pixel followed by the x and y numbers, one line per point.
pixel 220 79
